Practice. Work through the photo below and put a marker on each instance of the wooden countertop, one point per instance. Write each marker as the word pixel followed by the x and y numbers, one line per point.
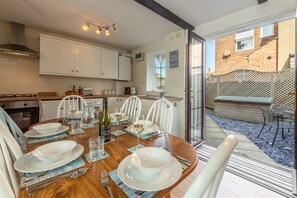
pixel 171 98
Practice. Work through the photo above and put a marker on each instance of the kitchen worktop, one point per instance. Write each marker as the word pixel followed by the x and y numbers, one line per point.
pixel 148 97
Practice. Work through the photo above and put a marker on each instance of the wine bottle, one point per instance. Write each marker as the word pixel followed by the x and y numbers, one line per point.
pixel 104 122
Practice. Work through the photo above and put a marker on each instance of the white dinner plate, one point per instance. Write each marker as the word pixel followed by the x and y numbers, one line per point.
pixel 35 134
pixel 28 163
pixel 133 178
pixel 147 129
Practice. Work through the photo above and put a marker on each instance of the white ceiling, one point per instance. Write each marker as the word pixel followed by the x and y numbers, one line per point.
pixel 136 24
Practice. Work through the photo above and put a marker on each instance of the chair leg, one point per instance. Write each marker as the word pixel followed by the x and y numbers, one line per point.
pixel 274 137
pixel 270 128
pixel 261 130
pixel 283 134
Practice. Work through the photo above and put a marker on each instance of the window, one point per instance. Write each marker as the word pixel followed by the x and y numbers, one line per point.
pixel 244 40
pixel 267 30
pixel 156 71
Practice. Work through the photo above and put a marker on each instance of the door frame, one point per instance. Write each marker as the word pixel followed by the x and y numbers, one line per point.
pixel 188 74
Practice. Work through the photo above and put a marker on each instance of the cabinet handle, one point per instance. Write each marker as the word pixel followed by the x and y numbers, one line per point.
pixel 72 70
pixel 102 73
pixel 76 71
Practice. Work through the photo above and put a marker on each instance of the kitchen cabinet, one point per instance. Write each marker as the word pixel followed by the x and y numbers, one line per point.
pixel 87 60
pixel 124 68
pixel 115 102
pixel 69 58
pixel 109 64
pixel 56 56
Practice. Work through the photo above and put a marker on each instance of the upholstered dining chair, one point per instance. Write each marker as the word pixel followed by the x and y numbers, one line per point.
pixel 5 188
pixel 14 129
pixel 132 106
pixel 161 113
pixel 76 102
pixel 208 181
pixel 7 167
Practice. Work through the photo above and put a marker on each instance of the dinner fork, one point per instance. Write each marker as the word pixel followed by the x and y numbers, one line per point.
pixel 105 182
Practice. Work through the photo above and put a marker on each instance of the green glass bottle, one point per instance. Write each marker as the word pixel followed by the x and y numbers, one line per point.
pixel 104 122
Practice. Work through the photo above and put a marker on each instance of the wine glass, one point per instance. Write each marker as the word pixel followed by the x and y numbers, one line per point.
pixel 118 117
pixel 71 111
pixel 137 127
pixel 88 117
pixel 97 111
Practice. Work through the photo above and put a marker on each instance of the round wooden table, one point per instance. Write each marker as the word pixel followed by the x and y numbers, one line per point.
pixel 89 185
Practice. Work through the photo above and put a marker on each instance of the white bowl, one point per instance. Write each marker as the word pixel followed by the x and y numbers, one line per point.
pixel 54 151
pixel 45 128
pixel 151 160
pixel 146 123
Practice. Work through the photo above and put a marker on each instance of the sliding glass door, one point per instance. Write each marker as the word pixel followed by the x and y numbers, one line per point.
pixel 195 89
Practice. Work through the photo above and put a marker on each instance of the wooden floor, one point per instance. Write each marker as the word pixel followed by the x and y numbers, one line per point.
pixel 231 186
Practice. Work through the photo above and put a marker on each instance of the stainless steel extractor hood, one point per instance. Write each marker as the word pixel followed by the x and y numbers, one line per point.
pixel 17 45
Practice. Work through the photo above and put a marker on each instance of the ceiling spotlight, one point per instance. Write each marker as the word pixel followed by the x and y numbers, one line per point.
pixel 107 32
pixel 86 27
pixel 98 31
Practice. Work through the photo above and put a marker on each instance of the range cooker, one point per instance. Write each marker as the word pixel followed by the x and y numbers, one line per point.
pixel 24 112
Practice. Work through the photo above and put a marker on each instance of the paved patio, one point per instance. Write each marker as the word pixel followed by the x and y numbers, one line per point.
pixel 215 135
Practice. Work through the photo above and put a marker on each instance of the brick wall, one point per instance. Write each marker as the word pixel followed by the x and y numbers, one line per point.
pixel 263 57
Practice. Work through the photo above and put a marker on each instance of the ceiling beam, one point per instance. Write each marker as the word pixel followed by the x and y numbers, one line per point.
pixel 167 14
pixel 261 1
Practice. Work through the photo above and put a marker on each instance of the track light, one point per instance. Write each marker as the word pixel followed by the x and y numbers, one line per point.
pixel 107 28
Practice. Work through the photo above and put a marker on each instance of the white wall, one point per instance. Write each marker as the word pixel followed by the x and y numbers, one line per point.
pixel 21 75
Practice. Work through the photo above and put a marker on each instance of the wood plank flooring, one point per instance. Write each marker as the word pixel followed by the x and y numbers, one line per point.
pixel 231 186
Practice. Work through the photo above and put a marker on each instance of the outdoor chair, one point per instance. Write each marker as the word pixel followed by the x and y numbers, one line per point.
pixel 208 180
pixel 274 120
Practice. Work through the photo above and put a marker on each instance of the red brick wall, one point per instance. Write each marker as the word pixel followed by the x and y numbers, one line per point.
pixel 263 57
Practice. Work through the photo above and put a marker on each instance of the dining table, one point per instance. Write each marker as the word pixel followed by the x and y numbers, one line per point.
pixel 89 185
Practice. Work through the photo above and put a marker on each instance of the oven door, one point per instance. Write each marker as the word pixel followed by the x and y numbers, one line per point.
pixel 24 117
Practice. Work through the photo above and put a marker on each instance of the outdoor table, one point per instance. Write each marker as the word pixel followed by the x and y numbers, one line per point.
pixel 89 185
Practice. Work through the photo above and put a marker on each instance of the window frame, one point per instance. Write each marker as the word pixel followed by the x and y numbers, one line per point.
pixel 261 31
pixel 244 36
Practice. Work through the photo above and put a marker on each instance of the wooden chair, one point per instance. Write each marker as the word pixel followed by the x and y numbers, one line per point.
pixel 132 106
pixel 5 188
pixel 161 113
pixel 14 129
pixel 208 181
pixel 7 168
pixel 77 103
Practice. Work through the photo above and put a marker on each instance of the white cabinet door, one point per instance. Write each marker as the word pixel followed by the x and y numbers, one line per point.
pixel 56 56
pixel 48 109
pixel 124 68
pixel 87 60
pixel 109 64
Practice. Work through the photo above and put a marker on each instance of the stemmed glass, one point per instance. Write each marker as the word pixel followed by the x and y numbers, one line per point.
pixel 118 117
pixel 137 127
pixel 71 111
pixel 88 117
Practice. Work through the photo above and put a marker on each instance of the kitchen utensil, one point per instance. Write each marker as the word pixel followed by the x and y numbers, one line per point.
pixel 105 182
pixel 127 90
pixel 87 91
pixel 133 91
pixel 41 185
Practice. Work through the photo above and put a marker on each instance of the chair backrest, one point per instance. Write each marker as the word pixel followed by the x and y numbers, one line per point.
pixel 208 180
pixel 13 146
pixel 132 106
pixel 268 115
pixel 7 167
pixel 5 188
pixel 14 129
pixel 280 109
pixel 161 113
pixel 77 103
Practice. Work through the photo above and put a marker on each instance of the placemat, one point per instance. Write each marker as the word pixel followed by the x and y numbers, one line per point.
pixel 32 178
pixel 135 148
pixel 79 132
pixel 130 192
pixel 99 157
pixel 118 133
pixel 48 138
pixel 142 136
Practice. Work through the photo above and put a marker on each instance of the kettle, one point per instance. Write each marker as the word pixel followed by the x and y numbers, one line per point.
pixel 133 91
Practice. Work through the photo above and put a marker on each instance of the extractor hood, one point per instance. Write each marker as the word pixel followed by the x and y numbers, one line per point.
pixel 17 45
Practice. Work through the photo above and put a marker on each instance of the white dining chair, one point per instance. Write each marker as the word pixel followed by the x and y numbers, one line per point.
pixel 5 188
pixel 208 181
pixel 161 114
pixel 14 129
pixel 13 146
pixel 7 167
pixel 77 103
pixel 131 106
